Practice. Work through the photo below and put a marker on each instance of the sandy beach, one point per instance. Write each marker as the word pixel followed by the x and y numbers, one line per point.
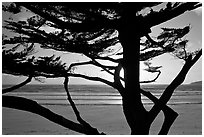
pixel 106 118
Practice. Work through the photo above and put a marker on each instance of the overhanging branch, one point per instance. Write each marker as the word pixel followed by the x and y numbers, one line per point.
pixel 17 86
pixel 153 80
pixel 154 18
pixel 117 79
pixel 104 67
pixel 93 62
pixel 91 78
pixel 78 64
pixel 78 27
pixel 109 59
pixel 33 107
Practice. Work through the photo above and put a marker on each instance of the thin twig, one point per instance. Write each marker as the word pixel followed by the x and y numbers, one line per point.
pixel 153 80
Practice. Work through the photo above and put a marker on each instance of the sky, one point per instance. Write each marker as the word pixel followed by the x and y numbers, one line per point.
pixel 170 65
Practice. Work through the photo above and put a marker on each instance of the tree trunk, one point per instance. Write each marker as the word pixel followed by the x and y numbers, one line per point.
pixel 135 113
pixel 130 32
pixel 136 116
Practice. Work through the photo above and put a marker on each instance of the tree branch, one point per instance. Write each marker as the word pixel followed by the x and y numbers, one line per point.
pixel 165 97
pixel 154 18
pixel 170 117
pixel 91 78
pixel 109 59
pixel 17 86
pixel 93 62
pixel 86 125
pixel 170 114
pixel 117 79
pixel 33 107
pixel 151 40
pixel 151 54
pixel 195 59
pixel 153 80
pixel 78 27
pixel 79 63
pixel 106 68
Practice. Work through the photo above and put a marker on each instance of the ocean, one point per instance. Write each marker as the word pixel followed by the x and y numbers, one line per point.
pixel 102 94
pixel 101 106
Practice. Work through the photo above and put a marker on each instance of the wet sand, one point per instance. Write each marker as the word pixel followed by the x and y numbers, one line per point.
pixel 108 119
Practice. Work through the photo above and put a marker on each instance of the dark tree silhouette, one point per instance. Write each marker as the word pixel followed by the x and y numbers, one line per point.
pixel 109 32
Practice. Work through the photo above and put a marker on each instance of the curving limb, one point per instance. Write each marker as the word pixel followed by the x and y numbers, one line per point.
pixel 117 79
pixel 78 64
pixel 153 80
pixel 116 84
pixel 17 86
pixel 109 59
pixel 33 107
pixel 151 40
pixel 86 125
pixel 91 78
pixel 93 62
pixel 104 67
pixel 108 68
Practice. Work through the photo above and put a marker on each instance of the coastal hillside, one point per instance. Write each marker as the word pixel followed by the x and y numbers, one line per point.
pixel 196 83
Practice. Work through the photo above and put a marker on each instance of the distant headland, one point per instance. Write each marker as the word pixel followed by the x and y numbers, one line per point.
pixel 196 83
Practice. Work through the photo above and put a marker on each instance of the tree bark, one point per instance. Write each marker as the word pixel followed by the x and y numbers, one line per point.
pixel 129 35
pixel 135 113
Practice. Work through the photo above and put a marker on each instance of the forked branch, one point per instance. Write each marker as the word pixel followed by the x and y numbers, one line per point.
pixel 165 97
pixel 78 64
pixel 92 62
pixel 170 114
